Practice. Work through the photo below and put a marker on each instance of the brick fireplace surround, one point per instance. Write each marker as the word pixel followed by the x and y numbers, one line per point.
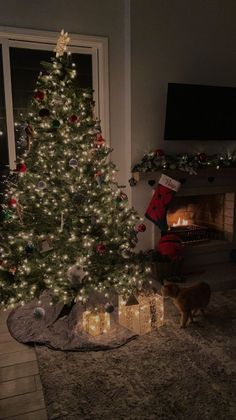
pixel 208 198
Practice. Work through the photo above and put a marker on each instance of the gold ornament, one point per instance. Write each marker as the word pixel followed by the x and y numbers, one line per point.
pixel 62 42
pixel 29 131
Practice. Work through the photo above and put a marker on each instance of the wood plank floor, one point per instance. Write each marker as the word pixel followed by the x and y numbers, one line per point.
pixel 21 396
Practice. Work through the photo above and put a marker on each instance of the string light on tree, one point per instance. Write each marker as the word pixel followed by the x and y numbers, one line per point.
pixel 67 224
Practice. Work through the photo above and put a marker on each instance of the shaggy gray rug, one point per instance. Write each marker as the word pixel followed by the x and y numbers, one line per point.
pixel 169 374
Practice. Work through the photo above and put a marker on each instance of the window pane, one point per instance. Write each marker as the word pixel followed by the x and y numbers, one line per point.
pixel 25 68
pixel 84 66
pixel 3 131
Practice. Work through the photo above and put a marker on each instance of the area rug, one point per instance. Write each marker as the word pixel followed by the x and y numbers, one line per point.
pixel 169 374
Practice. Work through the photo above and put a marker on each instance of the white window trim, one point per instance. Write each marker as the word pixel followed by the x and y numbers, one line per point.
pixel 96 46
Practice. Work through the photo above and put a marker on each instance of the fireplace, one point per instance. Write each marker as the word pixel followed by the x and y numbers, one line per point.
pixel 207 202
pixel 202 218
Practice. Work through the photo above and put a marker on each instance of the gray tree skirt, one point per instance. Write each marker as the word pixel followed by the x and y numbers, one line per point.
pixel 60 333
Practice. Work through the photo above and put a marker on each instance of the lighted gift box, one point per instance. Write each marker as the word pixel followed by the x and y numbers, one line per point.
pixel 141 314
pixel 96 323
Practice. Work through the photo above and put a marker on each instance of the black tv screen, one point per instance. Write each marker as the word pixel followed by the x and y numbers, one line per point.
pixel 197 112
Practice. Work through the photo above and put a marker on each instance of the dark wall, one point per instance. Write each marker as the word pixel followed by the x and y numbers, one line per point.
pixel 178 41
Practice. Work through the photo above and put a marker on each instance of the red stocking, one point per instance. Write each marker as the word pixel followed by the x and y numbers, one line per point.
pixel 159 204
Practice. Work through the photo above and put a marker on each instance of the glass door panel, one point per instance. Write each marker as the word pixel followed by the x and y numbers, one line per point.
pixel 3 128
pixel 25 68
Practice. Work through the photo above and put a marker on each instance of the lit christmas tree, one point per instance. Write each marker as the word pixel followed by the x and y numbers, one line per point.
pixel 67 225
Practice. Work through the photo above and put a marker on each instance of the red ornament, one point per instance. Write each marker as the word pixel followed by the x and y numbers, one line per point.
pixel 100 248
pixel 12 202
pixel 159 152
pixel 99 178
pixel 39 95
pixel 12 270
pixel 141 228
pixel 98 173
pixel 73 118
pixel 99 141
pixel 21 167
pixel 123 196
pixel 171 246
pixel 202 157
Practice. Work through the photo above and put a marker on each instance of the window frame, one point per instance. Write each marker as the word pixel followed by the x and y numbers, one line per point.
pixel 44 40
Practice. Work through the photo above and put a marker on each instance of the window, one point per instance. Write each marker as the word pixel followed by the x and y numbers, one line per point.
pixel 21 52
pixel 3 130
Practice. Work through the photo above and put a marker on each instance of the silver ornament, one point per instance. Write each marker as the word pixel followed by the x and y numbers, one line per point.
pixel 58 102
pixel 125 253
pixel 75 275
pixel 39 313
pixel 73 163
pixel 41 185
pixel 109 308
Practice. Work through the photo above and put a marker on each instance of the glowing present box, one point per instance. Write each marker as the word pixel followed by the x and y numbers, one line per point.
pixel 141 314
pixel 96 323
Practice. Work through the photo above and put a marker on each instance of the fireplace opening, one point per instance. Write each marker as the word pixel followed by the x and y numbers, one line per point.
pixel 200 218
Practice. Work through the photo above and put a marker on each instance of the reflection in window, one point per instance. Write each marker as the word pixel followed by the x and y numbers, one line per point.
pixel 3 128
pixel 25 68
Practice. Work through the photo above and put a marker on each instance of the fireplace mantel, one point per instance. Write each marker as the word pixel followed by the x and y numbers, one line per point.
pixel 207 180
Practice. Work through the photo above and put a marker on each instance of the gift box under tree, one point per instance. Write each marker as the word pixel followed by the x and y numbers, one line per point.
pixel 141 314
pixel 96 322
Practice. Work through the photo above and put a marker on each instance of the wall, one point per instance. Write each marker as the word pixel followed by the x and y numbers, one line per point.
pixel 101 18
pixel 171 41
pixel 175 41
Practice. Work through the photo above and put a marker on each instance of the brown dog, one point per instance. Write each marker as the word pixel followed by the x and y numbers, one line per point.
pixel 188 299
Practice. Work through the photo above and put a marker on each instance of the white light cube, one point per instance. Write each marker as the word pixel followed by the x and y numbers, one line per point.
pixel 143 315
pixel 96 323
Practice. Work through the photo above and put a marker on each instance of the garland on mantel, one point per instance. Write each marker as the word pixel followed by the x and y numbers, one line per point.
pixel 190 163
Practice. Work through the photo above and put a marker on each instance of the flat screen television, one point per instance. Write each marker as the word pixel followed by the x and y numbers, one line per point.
pixel 197 112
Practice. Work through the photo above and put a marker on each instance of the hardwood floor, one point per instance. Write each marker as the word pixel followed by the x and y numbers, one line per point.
pixel 21 396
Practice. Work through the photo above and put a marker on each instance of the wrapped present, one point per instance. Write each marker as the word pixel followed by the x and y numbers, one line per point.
pixel 141 314
pixel 96 323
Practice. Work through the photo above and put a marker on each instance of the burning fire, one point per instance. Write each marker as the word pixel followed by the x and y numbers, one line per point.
pixel 181 222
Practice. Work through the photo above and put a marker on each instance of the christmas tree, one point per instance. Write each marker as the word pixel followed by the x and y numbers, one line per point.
pixel 67 225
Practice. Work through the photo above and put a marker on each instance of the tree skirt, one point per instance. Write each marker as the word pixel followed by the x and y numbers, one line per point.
pixel 60 332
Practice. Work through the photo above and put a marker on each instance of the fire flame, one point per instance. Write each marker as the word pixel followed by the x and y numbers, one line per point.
pixel 181 222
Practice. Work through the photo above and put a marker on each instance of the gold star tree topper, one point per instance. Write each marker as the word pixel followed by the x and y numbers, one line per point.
pixel 62 43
